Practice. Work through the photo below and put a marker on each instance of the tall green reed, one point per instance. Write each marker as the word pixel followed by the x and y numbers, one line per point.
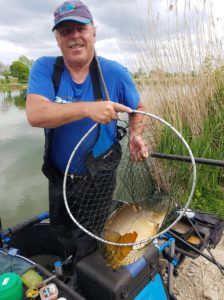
pixel 182 81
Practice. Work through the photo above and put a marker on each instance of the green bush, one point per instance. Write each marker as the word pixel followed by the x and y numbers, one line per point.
pixel 20 71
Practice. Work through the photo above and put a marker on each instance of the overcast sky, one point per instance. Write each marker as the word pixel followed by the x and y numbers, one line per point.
pixel 25 25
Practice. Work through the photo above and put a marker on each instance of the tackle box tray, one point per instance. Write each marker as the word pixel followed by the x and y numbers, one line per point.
pixel 187 233
pixel 100 281
pixel 63 289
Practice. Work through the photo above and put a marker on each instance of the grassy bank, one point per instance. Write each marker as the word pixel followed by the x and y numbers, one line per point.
pixel 11 84
pixel 208 143
pixel 196 110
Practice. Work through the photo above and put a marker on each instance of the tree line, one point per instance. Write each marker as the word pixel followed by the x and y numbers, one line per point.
pixel 18 69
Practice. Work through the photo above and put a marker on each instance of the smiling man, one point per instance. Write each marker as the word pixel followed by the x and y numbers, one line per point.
pixel 68 109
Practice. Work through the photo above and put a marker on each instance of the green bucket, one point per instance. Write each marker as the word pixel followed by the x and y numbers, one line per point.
pixel 11 287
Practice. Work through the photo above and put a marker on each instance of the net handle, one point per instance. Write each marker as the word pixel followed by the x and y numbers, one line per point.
pixel 163 231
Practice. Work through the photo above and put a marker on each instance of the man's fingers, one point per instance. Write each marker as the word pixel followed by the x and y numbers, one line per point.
pixel 139 156
pixel 121 108
pixel 139 150
pixel 114 115
pixel 106 111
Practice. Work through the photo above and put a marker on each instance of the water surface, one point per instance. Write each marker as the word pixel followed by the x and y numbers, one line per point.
pixel 23 188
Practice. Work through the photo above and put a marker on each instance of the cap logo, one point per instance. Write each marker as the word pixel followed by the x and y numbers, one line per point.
pixel 66 8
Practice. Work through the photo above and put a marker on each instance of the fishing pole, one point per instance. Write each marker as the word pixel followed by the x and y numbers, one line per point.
pixel 203 161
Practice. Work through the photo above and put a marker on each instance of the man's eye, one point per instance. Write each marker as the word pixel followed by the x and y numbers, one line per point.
pixel 68 30
pixel 65 31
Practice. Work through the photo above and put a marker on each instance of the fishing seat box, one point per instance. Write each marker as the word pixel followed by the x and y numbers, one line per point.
pixel 97 280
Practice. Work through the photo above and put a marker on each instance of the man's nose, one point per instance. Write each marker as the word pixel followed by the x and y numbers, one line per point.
pixel 75 32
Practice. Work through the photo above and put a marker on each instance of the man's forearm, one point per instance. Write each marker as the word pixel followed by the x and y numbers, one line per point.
pixel 137 145
pixel 46 114
pixel 137 121
pixel 43 113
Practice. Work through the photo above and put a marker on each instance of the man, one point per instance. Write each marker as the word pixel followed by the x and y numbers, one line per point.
pixel 74 110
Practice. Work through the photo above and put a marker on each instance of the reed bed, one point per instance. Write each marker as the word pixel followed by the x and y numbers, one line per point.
pixel 181 79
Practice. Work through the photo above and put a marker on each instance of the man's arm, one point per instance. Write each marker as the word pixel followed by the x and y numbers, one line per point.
pixel 136 121
pixel 41 112
pixel 137 146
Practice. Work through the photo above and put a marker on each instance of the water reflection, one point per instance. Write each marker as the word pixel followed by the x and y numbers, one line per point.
pixel 12 98
pixel 23 188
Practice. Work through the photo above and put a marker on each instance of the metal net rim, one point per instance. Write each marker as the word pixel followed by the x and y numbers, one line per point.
pixel 148 240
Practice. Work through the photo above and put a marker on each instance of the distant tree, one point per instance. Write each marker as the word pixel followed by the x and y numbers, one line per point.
pixel 139 74
pixel 6 74
pixel 2 67
pixel 193 73
pixel 20 71
pixel 157 72
pixel 168 74
pixel 26 61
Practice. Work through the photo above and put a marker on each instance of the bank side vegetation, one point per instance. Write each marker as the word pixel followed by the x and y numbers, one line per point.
pixel 181 79
pixel 15 75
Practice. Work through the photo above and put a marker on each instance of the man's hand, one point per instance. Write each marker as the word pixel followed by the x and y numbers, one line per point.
pixel 138 149
pixel 105 112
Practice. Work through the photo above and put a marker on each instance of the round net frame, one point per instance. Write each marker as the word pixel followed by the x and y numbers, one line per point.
pixel 123 203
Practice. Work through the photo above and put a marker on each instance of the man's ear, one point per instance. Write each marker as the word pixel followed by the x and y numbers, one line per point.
pixel 94 33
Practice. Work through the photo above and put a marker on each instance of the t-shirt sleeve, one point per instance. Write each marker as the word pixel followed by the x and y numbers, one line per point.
pixel 40 81
pixel 129 95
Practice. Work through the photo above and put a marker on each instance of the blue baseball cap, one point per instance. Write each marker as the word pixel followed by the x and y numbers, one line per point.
pixel 72 11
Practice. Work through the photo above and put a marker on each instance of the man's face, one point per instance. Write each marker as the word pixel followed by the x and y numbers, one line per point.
pixel 76 42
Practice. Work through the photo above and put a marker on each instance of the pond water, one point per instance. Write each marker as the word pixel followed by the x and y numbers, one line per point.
pixel 23 187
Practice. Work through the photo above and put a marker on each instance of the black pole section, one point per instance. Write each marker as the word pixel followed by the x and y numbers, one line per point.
pixel 203 161
pixel 196 250
pixel 19 227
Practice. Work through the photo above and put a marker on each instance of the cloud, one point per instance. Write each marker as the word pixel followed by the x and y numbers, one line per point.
pixel 124 28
